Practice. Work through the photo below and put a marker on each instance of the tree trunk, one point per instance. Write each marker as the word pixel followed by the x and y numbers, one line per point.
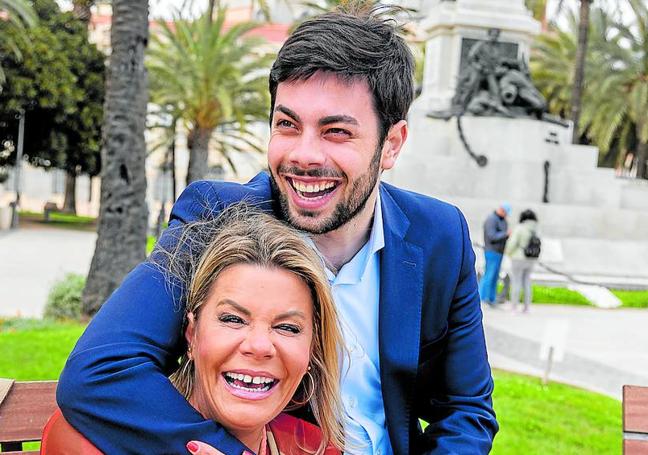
pixel 172 156
pixel 579 70
pixel 69 202
pixel 210 10
pixel 642 156
pixel 198 154
pixel 123 215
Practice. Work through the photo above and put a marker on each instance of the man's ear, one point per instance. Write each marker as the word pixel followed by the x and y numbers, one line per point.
pixel 393 144
pixel 191 329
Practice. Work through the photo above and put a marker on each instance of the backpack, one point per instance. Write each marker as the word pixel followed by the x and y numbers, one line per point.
pixel 532 250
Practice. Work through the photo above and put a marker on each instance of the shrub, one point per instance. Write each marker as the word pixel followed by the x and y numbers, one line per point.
pixel 64 299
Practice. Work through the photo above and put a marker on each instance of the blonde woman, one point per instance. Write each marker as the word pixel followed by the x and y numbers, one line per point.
pixel 262 334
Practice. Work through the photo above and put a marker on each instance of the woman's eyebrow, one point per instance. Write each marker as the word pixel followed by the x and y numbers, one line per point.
pixel 234 305
pixel 291 314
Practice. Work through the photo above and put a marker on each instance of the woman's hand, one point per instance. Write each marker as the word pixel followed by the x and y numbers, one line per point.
pixel 200 448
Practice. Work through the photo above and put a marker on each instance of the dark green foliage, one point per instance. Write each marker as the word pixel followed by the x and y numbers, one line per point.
pixel 64 299
pixel 59 84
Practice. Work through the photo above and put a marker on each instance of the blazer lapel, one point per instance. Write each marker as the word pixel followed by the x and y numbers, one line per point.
pixel 401 294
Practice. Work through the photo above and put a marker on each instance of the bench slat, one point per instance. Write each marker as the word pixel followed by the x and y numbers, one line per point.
pixel 25 410
pixel 635 447
pixel 635 409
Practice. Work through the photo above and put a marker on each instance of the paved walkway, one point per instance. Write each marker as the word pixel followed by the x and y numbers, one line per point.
pixel 32 259
pixel 604 349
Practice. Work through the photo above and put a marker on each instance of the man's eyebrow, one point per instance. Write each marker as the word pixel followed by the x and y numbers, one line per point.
pixel 337 119
pixel 234 305
pixel 289 112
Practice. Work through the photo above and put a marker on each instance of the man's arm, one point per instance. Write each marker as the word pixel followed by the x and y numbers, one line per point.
pixel 458 404
pixel 114 388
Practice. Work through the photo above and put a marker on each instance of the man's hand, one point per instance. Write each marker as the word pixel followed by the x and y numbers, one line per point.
pixel 200 448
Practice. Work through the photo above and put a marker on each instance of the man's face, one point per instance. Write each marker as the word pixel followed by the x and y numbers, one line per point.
pixel 323 155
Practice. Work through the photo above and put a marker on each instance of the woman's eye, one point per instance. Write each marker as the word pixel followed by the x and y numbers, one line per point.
pixel 231 319
pixel 289 328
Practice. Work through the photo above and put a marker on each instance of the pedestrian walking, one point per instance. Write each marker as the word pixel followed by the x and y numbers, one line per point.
pixel 523 247
pixel 495 234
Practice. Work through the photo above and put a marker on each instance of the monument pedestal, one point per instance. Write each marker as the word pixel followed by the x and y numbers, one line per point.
pixel 594 223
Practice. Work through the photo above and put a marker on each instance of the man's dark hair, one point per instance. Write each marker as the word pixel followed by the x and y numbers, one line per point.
pixel 363 45
pixel 528 215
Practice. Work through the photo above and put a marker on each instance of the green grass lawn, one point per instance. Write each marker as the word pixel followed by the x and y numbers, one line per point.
pixel 60 220
pixel 34 349
pixel 556 419
pixel 546 294
pixel 564 296
pixel 534 419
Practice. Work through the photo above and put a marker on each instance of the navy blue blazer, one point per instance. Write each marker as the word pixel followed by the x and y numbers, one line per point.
pixel 433 360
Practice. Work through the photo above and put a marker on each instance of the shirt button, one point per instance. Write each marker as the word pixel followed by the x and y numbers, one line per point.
pixel 353 402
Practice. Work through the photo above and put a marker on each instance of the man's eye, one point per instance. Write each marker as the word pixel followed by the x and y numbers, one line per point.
pixel 289 328
pixel 338 132
pixel 231 319
pixel 283 123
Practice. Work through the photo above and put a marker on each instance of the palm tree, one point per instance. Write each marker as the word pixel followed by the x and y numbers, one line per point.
pixel 123 214
pixel 216 77
pixel 620 79
pixel 615 97
pixel 552 65
pixel 579 70
pixel 20 14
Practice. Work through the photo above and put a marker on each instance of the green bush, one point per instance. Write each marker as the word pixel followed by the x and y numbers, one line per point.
pixel 64 299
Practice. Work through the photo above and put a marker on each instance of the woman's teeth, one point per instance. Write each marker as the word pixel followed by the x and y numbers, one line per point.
pixel 249 383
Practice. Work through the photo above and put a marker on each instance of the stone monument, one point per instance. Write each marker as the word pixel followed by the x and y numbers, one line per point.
pixel 477 137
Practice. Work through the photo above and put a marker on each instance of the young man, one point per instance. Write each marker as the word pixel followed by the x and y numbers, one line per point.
pixel 400 264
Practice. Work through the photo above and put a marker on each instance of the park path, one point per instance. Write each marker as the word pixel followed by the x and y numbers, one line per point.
pixel 32 259
pixel 604 349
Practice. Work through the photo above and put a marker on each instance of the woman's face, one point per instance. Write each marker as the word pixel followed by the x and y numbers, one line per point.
pixel 251 345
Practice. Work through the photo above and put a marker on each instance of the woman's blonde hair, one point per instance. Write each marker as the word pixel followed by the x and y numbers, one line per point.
pixel 244 235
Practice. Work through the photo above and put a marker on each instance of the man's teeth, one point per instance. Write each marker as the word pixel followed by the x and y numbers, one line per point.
pixel 249 379
pixel 312 188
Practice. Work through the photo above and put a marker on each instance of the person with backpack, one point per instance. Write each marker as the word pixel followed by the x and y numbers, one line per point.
pixel 523 247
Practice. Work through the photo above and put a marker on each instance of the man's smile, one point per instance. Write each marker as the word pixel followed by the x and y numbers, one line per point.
pixel 312 189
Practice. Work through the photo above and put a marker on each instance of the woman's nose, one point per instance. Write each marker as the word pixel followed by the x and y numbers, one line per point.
pixel 258 343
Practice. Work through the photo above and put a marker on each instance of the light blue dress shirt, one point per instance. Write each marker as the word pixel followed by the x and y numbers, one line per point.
pixel 356 291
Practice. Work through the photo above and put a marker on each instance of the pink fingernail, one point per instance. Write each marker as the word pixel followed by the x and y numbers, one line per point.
pixel 192 447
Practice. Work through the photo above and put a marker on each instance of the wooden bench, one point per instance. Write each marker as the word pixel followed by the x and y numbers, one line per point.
pixel 24 412
pixel 635 420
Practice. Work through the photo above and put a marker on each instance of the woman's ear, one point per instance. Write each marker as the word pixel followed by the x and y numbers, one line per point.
pixel 190 330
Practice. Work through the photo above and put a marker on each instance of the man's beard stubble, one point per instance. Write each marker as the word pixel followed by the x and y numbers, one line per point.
pixel 345 210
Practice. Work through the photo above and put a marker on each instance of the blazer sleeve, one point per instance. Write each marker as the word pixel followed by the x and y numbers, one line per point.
pixel 114 388
pixel 459 408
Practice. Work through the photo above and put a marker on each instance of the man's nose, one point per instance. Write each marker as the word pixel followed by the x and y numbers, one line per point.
pixel 258 343
pixel 308 151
